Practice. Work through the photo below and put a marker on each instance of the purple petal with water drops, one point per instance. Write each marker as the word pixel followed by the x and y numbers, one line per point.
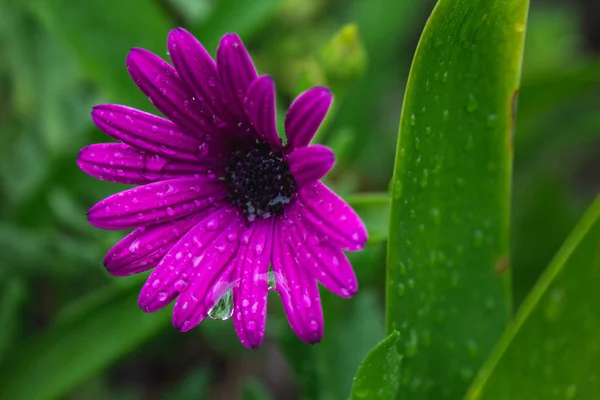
pixel 327 264
pixel 305 115
pixel 143 248
pixel 236 72
pixel 298 290
pixel 309 164
pixel 199 71
pixel 332 217
pixel 250 288
pixel 260 107
pixel 157 135
pixel 156 202
pixel 118 162
pixel 160 82
pixel 210 275
pixel 198 258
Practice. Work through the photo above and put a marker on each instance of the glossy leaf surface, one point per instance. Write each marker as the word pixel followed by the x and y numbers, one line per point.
pixel 447 282
pixel 552 348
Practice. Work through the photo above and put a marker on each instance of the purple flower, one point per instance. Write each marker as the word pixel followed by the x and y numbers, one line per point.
pixel 221 198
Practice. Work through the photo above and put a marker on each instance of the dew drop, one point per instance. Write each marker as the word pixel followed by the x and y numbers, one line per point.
pixel 471 103
pixel 412 120
pixel 162 295
pixel 212 224
pixel 180 285
pixel 313 325
pixel 435 214
pixel 156 283
pixel 170 211
pixel 251 325
pixel 424 178
pixel 223 309
pixel 306 301
pixel 401 289
pixel 411 345
pixel 445 115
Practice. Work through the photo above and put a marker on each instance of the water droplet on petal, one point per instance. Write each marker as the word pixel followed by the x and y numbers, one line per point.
pixel 251 325
pixel 162 295
pixel 223 309
pixel 180 285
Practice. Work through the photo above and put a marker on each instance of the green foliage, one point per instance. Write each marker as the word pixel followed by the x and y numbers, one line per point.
pixel 551 350
pixel 51 364
pixel 379 374
pixel 448 245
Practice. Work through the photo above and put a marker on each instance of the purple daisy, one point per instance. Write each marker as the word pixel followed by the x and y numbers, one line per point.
pixel 222 200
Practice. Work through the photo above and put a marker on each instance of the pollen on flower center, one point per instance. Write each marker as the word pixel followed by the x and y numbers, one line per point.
pixel 259 180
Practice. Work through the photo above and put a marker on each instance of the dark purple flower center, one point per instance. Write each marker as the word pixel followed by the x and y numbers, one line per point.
pixel 259 180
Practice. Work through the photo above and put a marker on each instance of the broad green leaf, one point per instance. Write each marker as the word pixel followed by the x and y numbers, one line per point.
pixel 56 361
pixel 100 40
pixel 378 375
pixel 241 16
pixel 448 246
pixel 552 349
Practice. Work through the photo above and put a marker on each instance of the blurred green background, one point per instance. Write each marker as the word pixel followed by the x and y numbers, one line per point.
pixel 70 330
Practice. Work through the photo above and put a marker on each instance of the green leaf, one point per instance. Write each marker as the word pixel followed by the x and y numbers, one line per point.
pixel 552 349
pixel 448 245
pixel 56 361
pixel 244 17
pixel 378 375
pixel 101 40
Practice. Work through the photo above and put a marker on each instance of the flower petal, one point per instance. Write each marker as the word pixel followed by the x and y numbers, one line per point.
pixel 156 202
pixel 236 72
pixel 118 162
pixel 193 260
pixel 160 82
pixel 212 276
pixel 143 248
pixel 306 114
pixel 251 285
pixel 332 217
pixel 199 71
pixel 299 291
pixel 260 107
pixel 327 264
pixel 309 164
pixel 156 135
